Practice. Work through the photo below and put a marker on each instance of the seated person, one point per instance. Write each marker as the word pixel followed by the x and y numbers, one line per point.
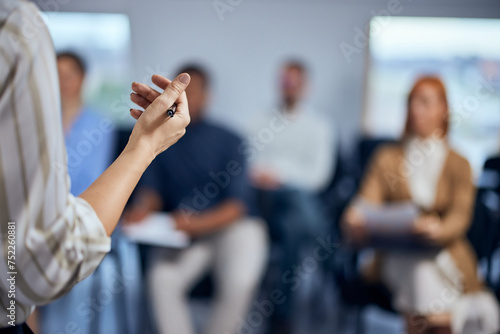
pixel 292 158
pixel 203 184
pixel 83 128
pixel 435 288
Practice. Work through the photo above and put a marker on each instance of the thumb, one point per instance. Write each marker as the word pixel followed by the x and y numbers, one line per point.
pixel 174 93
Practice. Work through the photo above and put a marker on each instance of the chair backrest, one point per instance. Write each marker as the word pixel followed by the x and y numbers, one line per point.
pixel 368 146
pixel 349 173
pixel 353 289
pixel 484 233
pixel 490 177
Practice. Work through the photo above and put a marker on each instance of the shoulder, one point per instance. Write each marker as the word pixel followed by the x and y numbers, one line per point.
pixel 8 7
pixel 264 118
pixel 223 133
pixel 457 157
pixel 23 18
pixel 28 37
pixel 387 153
pixel 91 114
pixel 458 163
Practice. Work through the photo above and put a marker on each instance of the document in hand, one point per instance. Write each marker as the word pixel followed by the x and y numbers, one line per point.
pixel 394 218
pixel 157 229
pixel 391 225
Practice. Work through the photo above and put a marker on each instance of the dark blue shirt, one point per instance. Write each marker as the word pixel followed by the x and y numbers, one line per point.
pixel 201 170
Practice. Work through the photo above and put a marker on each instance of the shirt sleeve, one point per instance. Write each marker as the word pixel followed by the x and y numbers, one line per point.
pixel 236 170
pixel 379 181
pixel 314 170
pixel 59 240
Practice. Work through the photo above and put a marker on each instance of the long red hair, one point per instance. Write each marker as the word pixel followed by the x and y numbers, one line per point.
pixel 436 84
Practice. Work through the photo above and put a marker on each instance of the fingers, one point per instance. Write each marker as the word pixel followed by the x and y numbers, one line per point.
pixel 160 81
pixel 144 94
pixel 174 93
pixel 147 93
pixel 135 113
pixel 144 91
pixel 355 217
pixel 139 100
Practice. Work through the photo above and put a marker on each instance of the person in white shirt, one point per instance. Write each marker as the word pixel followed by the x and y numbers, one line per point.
pixel 51 239
pixel 292 158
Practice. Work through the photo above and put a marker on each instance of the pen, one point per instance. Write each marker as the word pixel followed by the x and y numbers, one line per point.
pixel 171 110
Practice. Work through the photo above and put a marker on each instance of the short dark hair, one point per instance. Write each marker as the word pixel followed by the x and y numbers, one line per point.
pixel 76 58
pixel 195 69
pixel 295 64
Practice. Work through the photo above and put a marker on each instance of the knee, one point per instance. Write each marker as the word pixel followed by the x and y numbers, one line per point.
pixel 238 287
pixel 164 279
pixel 424 271
pixel 252 234
pixel 249 259
pixel 428 323
pixel 424 268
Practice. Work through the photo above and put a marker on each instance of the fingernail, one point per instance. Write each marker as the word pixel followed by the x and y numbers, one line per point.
pixel 184 78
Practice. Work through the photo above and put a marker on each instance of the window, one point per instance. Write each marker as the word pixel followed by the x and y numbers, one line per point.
pixel 464 52
pixel 103 40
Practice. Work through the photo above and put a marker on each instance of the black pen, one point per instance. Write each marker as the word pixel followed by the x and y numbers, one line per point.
pixel 171 111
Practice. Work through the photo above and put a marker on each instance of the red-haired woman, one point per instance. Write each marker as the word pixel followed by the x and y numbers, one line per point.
pixel 437 289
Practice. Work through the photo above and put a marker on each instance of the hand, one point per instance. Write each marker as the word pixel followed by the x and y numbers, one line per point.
pixel 135 214
pixel 184 222
pixel 147 201
pixel 429 229
pixel 265 180
pixel 155 131
pixel 354 226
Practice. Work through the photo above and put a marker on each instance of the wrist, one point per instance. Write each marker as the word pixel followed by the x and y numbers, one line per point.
pixel 183 222
pixel 140 154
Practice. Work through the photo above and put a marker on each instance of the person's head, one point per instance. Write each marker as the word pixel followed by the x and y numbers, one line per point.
pixel 427 109
pixel 198 90
pixel 293 82
pixel 71 69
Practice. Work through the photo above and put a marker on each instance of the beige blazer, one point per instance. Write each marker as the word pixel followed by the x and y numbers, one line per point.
pixel 386 181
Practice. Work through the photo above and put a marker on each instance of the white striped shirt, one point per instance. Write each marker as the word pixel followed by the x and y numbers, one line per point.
pixel 59 240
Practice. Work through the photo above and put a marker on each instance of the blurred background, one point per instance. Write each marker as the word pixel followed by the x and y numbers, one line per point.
pixel 362 58
pixel 355 76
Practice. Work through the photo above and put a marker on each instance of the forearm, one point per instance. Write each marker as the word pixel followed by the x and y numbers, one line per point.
pixel 213 219
pixel 454 226
pixel 456 222
pixel 153 133
pixel 111 191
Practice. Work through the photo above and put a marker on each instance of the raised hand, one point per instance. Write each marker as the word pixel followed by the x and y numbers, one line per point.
pixel 155 131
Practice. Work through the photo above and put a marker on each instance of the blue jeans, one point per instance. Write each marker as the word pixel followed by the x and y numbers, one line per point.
pixel 296 218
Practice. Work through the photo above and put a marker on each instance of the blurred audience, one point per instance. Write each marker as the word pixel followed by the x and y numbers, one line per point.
pixel 202 182
pixel 93 305
pixel 292 156
pixel 89 137
pixel 436 287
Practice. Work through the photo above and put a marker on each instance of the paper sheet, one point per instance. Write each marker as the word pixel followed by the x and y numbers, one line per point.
pixel 395 218
pixel 158 229
pixel 391 226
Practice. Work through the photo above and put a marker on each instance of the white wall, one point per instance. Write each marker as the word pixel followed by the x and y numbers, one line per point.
pixel 244 50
